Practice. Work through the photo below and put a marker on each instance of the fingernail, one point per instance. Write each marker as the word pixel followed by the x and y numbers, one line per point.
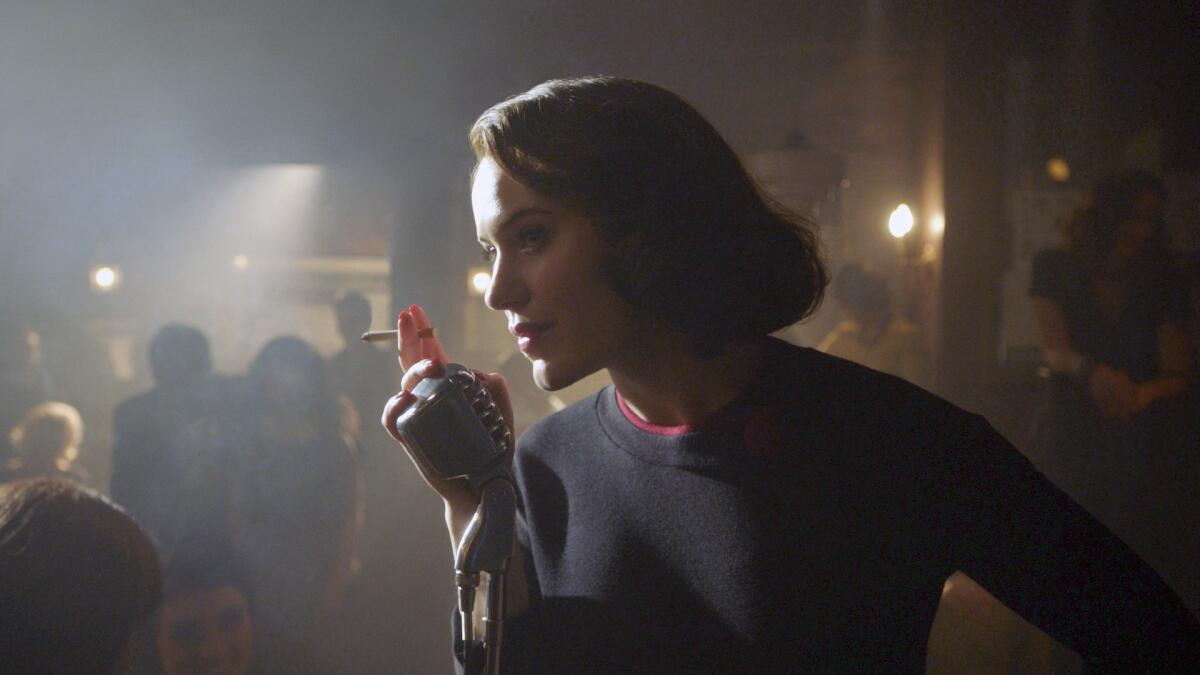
pixel 435 362
pixel 412 308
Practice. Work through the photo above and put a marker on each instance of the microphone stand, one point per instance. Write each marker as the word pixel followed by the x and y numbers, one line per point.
pixel 487 546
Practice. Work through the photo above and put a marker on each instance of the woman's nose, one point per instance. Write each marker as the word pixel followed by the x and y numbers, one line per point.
pixel 506 290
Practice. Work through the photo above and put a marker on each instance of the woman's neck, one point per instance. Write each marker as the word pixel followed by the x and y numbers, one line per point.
pixel 671 386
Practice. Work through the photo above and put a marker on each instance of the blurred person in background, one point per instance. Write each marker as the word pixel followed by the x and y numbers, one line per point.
pixel 145 425
pixel 46 443
pixel 1119 429
pixel 205 623
pixel 360 370
pixel 297 511
pixel 277 475
pixel 23 381
pixel 873 334
pixel 77 578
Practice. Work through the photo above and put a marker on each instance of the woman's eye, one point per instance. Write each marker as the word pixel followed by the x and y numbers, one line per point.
pixel 489 253
pixel 531 238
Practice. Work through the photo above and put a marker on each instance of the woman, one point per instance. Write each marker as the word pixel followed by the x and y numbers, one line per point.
pixel 1110 312
pixel 733 503
pixel 1117 432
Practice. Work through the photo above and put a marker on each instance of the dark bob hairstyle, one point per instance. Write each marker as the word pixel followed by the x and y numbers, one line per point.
pixel 692 239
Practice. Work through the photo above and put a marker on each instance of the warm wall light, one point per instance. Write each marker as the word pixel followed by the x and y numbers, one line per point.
pixel 1058 169
pixel 240 261
pixel 937 225
pixel 105 278
pixel 479 281
pixel 900 222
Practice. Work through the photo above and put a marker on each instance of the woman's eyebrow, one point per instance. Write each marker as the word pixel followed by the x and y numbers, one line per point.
pixel 520 214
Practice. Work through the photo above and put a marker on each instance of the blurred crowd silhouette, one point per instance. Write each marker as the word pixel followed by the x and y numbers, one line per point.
pixel 284 526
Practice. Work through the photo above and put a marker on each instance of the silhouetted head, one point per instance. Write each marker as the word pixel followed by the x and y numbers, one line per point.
pixel 1124 214
pixel 77 577
pixel 353 316
pixel 49 435
pixel 179 354
pixel 689 237
pixel 290 374
pixel 204 624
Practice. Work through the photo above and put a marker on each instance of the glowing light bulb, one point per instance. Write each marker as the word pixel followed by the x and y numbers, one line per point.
pixel 900 222
pixel 241 262
pixel 1058 169
pixel 480 281
pixel 105 278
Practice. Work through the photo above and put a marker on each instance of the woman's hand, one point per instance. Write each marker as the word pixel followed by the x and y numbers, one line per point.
pixel 423 357
pixel 1115 392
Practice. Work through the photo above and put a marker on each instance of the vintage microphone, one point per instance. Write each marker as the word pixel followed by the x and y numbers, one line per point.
pixel 454 430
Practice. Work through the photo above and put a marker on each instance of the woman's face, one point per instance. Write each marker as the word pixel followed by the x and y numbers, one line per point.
pixel 207 631
pixel 547 279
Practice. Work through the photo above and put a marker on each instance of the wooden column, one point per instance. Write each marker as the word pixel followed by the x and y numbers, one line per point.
pixel 975 246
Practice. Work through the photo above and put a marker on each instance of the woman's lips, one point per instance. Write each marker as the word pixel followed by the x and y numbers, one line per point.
pixel 527 334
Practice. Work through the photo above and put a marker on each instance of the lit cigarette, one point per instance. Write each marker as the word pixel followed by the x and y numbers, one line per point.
pixel 390 335
pixel 379 336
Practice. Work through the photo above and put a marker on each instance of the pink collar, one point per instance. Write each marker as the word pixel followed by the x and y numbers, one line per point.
pixel 646 426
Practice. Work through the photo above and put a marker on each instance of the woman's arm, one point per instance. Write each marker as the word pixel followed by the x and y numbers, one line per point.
pixel 1045 557
pixel 1057 353
pixel 1175 366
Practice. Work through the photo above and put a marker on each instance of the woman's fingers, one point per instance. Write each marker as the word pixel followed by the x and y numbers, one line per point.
pixel 1115 392
pixel 421 370
pixel 393 409
pixel 458 494
pixel 396 405
pixel 411 345
pixel 498 388
pixel 431 346
pixel 408 343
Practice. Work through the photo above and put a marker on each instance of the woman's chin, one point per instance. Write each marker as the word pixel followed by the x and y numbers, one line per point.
pixel 554 376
